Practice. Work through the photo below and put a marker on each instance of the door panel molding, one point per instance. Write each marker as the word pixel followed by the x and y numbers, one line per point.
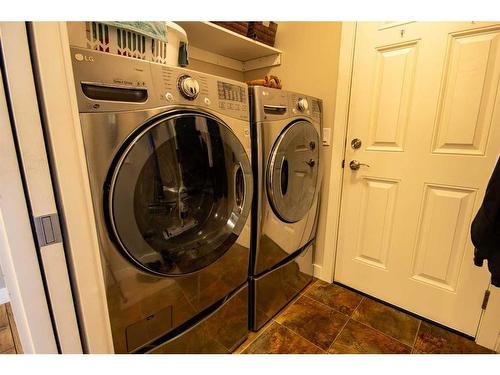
pixel 376 215
pixel 446 213
pixel 468 93
pixel 392 96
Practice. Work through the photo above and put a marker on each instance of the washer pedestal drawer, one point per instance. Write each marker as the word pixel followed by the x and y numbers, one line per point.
pixel 221 332
pixel 271 291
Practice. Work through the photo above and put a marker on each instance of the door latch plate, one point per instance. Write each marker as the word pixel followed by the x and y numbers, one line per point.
pixel 48 229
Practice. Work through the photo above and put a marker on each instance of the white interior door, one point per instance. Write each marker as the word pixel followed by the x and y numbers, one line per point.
pixel 424 103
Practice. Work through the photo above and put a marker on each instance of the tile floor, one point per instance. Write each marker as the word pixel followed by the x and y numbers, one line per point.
pixel 325 318
pixel 328 318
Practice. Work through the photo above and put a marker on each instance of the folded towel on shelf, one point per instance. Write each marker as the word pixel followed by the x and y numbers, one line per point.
pixel 153 29
pixel 268 81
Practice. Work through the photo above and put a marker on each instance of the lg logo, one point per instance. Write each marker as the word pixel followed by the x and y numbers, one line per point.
pixel 80 57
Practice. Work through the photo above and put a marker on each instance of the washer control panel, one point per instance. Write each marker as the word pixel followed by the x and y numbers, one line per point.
pixel 107 82
pixel 181 86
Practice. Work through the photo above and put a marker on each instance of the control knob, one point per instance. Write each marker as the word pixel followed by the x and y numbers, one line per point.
pixel 188 87
pixel 302 105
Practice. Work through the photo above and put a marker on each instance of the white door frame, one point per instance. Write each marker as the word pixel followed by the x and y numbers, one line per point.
pixel 18 255
pixel 52 60
pixel 18 249
pixel 488 333
pixel 346 60
pixel 32 154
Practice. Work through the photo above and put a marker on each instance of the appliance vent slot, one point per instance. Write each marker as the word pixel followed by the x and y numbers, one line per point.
pixel 97 36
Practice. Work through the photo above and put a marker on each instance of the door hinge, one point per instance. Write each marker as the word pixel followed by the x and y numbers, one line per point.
pixel 343 163
pixel 485 299
pixel 48 230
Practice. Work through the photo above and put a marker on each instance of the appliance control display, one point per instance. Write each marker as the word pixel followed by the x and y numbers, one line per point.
pixel 231 92
pixel 316 107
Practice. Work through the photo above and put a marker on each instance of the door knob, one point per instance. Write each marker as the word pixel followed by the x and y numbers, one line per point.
pixel 355 165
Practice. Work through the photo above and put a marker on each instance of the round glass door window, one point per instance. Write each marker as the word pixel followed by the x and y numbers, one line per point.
pixel 180 194
pixel 292 172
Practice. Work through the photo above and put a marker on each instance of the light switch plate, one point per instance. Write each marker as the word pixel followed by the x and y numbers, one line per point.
pixel 326 136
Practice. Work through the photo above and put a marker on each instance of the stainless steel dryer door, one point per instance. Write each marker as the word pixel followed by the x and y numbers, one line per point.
pixel 292 173
pixel 179 193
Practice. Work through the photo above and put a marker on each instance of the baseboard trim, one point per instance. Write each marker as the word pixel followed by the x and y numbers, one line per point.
pixel 4 296
pixel 318 273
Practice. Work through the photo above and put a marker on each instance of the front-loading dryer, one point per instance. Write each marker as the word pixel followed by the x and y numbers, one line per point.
pixel 168 156
pixel 286 138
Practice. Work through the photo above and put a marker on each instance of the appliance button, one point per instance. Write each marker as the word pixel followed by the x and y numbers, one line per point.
pixel 207 101
pixel 222 105
pixel 229 106
pixel 169 97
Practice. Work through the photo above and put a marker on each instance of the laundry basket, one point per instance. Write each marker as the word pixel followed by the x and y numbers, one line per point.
pixel 124 41
pixel 239 27
pixel 263 31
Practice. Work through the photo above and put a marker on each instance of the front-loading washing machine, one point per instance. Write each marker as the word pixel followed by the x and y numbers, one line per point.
pixel 168 156
pixel 286 138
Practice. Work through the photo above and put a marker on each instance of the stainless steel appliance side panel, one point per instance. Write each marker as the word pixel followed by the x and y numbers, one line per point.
pixel 220 332
pixel 275 289
pixel 135 296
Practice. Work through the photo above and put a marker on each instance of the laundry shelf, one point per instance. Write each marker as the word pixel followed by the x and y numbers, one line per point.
pixel 216 45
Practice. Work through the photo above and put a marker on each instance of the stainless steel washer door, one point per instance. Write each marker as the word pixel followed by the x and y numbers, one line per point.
pixel 292 171
pixel 180 194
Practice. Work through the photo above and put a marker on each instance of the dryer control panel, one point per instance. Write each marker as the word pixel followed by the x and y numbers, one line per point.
pixel 305 105
pixel 274 104
pixel 106 82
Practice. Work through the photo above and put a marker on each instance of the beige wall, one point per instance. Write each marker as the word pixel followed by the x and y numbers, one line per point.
pixel 217 70
pixel 309 65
